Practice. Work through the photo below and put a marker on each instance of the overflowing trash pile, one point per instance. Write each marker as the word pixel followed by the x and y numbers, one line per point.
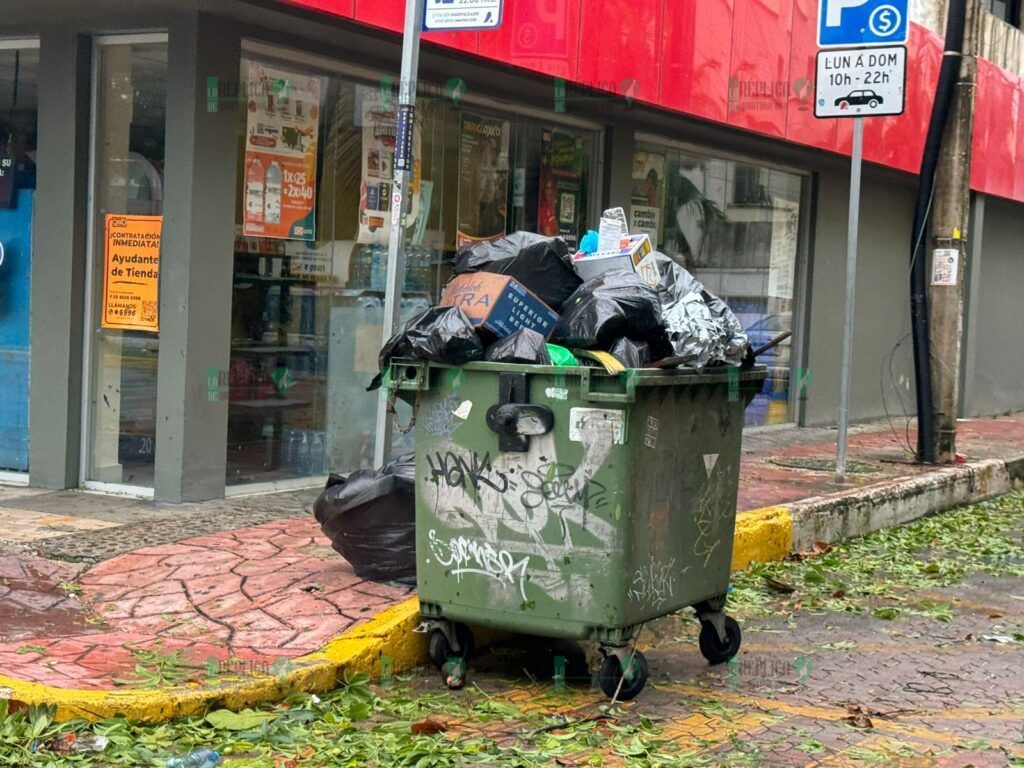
pixel 525 299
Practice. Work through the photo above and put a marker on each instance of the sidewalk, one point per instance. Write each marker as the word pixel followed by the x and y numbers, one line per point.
pixel 111 605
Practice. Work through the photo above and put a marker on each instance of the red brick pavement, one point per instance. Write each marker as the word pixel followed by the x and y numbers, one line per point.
pixel 764 483
pixel 234 600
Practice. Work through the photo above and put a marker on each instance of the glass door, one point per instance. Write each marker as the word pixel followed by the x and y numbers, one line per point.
pixel 19 69
pixel 123 325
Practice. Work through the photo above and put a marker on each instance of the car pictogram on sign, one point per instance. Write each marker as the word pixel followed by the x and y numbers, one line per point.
pixel 859 99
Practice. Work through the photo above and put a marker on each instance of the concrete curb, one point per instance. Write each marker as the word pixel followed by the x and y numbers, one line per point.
pixel 387 635
pixel 762 535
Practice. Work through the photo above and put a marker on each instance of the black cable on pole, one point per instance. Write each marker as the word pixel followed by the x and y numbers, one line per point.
pixel 920 329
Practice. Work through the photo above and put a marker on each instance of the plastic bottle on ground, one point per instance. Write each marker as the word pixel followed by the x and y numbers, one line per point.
pixel 204 758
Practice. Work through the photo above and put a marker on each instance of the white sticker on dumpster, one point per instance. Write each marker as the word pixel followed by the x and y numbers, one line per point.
pixel 597 421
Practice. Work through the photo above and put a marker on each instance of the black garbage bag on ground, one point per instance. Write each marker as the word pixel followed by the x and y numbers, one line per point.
pixel 632 354
pixel 370 518
pixel 541 264
pixel 613 305
pixel 525 346
pixel 439 334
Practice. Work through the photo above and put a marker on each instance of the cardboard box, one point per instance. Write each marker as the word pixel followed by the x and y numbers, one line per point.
pixel 498 303
pixel 634 254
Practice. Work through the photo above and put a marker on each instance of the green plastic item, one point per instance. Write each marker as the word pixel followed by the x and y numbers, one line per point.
pixel 562 357
pixel 616 507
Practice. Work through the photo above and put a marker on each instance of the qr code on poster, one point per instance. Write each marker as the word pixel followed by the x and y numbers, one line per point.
pixel 148 312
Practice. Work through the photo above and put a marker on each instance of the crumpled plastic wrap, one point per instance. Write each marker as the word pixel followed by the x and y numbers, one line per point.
pixel 616 304
pixel 438 334
pixel 525 346
pixel 370 518
pixel 701 326
pixel 542 264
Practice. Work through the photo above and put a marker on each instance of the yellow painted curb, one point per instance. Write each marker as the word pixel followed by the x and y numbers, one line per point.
pixel 388 634
pixel 762 535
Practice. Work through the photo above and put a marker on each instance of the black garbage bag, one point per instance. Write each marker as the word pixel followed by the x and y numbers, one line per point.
pixel 616 304
pixel 439 334
pixel 525 346
pixel 541 264
pixel 632 354
pixel 370 518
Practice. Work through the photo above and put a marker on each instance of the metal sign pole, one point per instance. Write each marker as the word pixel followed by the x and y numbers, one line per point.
pixel 401 193
pixel 851 289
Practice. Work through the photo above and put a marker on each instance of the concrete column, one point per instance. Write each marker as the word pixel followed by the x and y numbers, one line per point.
pixel 197 261
pixel 58 260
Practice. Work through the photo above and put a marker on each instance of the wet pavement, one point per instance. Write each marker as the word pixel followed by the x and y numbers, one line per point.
pixel 236 601
pixel 895 673
pixel 878 451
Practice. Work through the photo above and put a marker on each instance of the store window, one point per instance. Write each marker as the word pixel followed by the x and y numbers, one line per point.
pixel 313 226
pixel 128 183
pixel 19 70
pixel 736 226
pixel 1007 10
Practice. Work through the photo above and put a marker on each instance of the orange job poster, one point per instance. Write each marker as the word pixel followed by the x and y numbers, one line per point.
pixel 131 274
pixel 282 136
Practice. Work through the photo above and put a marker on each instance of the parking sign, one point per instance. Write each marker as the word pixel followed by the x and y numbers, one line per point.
pixel 462 15
pixel 863 22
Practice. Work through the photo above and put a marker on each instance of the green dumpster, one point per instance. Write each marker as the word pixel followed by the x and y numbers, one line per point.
pixel 570 503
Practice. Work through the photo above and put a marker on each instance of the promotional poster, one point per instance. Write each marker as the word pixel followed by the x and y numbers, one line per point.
pixel 483 179
pixel 378 117
pixel 561 206
pixel 131 273
pixel 282 140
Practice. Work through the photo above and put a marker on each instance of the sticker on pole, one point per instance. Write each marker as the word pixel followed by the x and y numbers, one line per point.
pixel 860 82
pixel 441 15
pixel 863 22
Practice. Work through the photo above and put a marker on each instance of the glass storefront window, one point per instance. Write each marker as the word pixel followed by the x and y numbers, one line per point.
pixel 313 225
pixel 128 182
pixel 736 227
pixel 19 70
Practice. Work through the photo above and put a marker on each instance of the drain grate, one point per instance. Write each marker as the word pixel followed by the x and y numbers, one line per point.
pixel 823 465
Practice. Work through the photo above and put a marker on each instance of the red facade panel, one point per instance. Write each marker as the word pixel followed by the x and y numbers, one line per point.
pixel 996 131
pixel 801 124
pixel 759 83
pixel 386 14
pixel 620 47
pixel 749 63
pixel 539 35
pixel 898 142
pixel 1018 178
pixel 346 8
pixel 696 50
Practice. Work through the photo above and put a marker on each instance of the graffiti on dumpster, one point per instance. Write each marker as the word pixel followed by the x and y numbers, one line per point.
pixel 652 584
pixel 517 506
pixel 442 421
pixel 559 485
pixel 468 556
pixel 461 470
pixel 711 511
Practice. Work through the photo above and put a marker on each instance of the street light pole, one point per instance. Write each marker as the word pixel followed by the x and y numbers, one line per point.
pixel 400 201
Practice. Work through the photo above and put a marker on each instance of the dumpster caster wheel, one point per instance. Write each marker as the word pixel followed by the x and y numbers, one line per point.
pixel 611 674
pixel 441 649
pixel 713 648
